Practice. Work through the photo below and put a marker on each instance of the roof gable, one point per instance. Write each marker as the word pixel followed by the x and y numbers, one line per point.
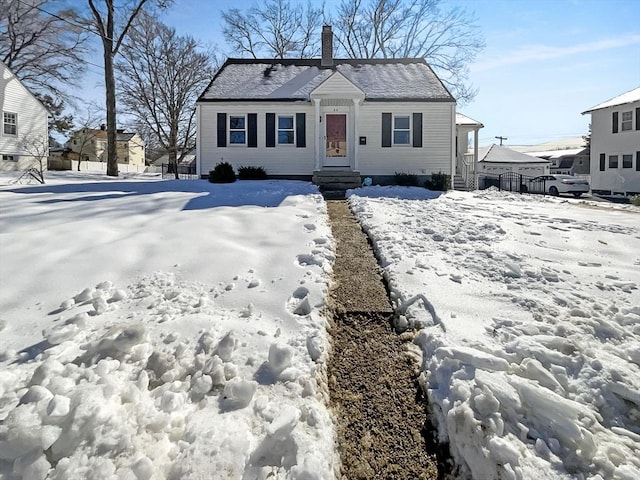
pixel 7 75
pixel 296 79
pixel 337 83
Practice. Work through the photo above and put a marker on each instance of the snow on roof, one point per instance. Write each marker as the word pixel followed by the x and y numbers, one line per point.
pixel 500 154
pixel 627 97
pixel 557 153
pixel 464 120
pixel 552 145
pixel 293 79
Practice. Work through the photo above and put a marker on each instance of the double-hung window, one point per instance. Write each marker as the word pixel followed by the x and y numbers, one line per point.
pixel 237 130
pixel 613 161
pixel 10 123
pixel 627 161
pixel 401 129
pixel 627 121
pixel 286 130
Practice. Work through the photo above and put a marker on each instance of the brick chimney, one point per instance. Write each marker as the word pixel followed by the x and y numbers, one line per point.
pixel 327 46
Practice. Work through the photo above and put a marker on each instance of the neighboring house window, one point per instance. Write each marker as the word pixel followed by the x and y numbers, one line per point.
pixel 10 121
pixel 9 158
pixel 627 161
pixel 637 161
pixel 613 161
pixel 237 130
pixel 286 130
pixel 627 121
pixel 401 130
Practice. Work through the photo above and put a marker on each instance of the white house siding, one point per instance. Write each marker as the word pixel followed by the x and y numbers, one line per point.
pixel 31 122
pixel 278 160
pixel 434 156
pixel 618 180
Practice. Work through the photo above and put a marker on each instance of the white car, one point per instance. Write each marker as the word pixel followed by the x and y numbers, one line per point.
pixel 557 184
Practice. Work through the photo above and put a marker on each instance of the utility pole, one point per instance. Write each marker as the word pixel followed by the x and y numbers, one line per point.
pixel 501 139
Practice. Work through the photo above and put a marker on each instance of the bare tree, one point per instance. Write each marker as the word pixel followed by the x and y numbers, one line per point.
pixel 36 146
pixel 105 20
pixel 448 39
pixel 43 45
pixel 277 28
pixel 161 75
pixel 86 126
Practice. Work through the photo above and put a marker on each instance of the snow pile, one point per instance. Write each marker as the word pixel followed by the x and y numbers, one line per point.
pixel 529 317
pixel 211 367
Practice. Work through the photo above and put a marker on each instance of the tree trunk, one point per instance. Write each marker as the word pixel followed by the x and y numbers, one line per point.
pixel 110 85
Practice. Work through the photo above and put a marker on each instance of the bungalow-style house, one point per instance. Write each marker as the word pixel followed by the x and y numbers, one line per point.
pixel 615 145
pixel 24 129
pixel 91 146
pixel 328 118
pixel 495 160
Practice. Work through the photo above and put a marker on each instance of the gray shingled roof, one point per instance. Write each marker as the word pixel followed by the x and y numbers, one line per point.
pixel 263 80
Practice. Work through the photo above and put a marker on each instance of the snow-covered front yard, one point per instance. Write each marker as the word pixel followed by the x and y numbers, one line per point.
pixel 531 316
pixel 163 329
pixel 174 329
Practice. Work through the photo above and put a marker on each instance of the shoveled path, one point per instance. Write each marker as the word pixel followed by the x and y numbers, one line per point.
pixel 382 426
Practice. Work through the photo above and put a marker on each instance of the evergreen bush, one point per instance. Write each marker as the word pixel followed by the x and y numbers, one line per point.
pixel 222 173
pixel 405 179
pixel 252 173
pixel 635 200
pixel 438 182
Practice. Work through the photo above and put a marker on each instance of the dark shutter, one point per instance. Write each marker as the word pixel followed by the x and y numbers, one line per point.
pixel 301 133
pixel 614 123
pixel 252 130
pixel 417 129
pixel 271 130
pixel 222 129
pixel 637 161
pixel 603 162
pixel 386 129
pixel 637 118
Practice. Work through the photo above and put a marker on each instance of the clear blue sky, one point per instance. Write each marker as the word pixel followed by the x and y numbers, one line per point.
pixel 545 61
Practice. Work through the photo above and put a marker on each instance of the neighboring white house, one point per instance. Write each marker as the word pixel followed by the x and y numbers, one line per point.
pixel 615 145
pixel 302 118
pixel 24 130
pixel 495 160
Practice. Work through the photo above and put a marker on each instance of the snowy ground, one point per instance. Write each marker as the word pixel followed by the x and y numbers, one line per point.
pixel 531 314
pixel 163 329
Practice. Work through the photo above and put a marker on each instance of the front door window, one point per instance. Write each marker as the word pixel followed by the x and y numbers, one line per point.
pixel 336 142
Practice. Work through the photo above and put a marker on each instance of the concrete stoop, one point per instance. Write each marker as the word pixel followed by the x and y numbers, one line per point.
pixel 334 183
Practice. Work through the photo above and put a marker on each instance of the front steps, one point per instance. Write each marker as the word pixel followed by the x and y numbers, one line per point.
pixel 334 183
pixel 459 184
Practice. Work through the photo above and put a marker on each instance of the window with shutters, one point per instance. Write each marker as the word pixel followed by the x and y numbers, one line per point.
pixel 401 129
pixel 286 130
pixel 10 122
pixel 237 130
pixel 627 121
pixel 627 161
pixel 613 161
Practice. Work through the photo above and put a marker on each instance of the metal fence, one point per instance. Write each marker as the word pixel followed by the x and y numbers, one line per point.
pixel 185 171
pixel 513 182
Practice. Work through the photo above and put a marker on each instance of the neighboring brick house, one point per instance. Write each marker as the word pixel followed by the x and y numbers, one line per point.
pixel 91 145
pixel 615 145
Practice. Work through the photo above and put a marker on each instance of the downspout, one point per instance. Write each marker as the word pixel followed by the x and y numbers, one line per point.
pixel 198 149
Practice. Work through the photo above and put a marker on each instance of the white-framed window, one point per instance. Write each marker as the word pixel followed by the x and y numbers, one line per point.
pixel 613 161
pixel 9 158
pixel 237 130
pixel 10 123
pixel 402 129
pixel 627 121
pixel 286 130
pixel 627 161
